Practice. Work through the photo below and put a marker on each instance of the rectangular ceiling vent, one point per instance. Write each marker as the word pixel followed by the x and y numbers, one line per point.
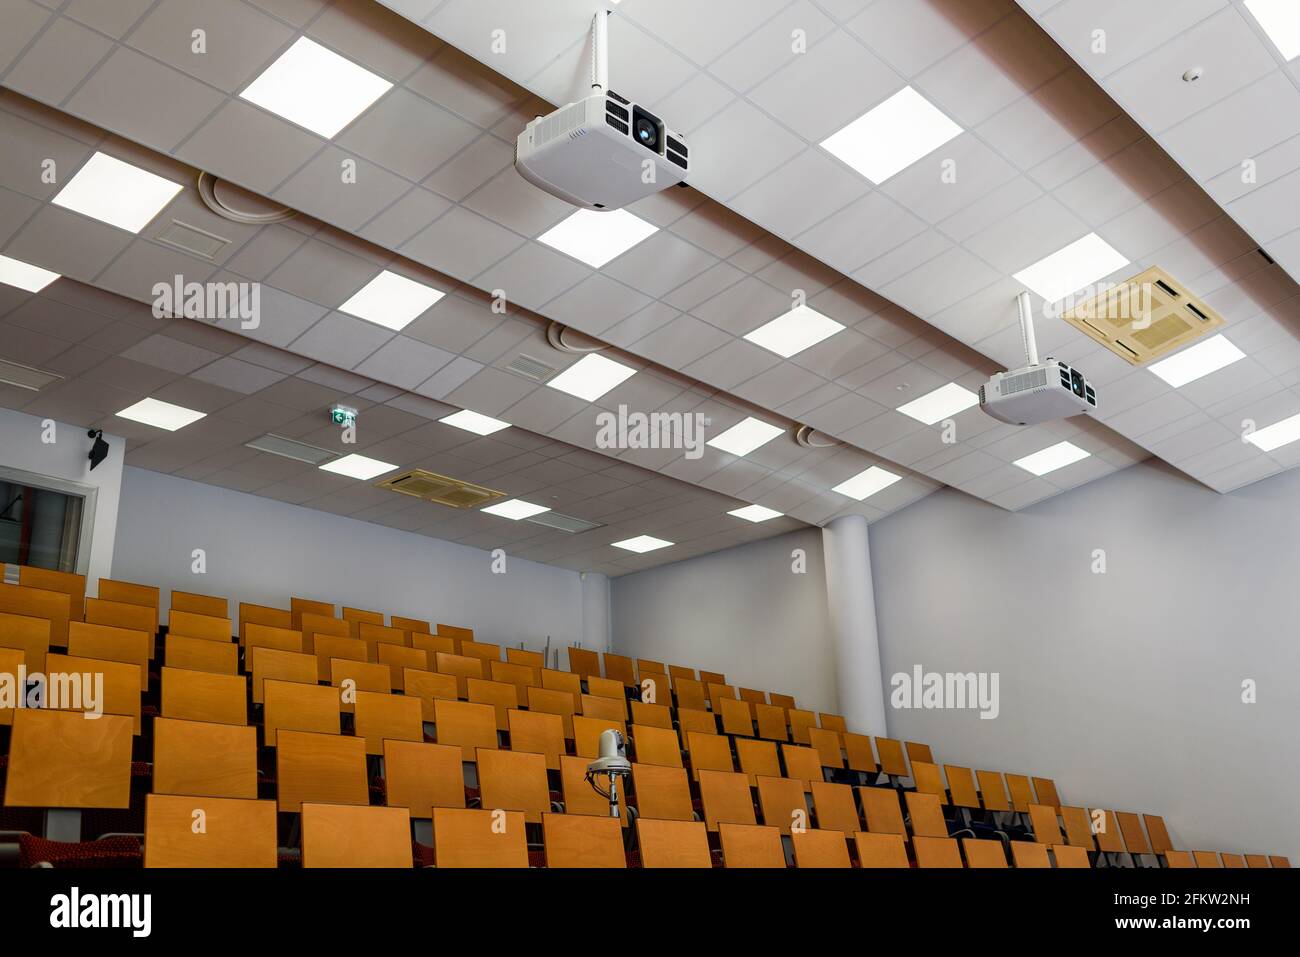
pixel 530 368
pixel 300 451
pixel 1144 318
pixel 191 239
pixel 565 523
pixel 432 487
pixel 25 377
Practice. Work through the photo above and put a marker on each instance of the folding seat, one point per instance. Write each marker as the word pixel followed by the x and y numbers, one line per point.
pixel 212 606
pixel 782 701
pixel 961 787
pixel 351 677
pixel 827 745
pixel 356 617
pixel 1078 828
pixel 925 815
pixel 479 838
pixel 690 694
pixel 681 671
pixel 690 719
pixel 771 722
pixel 319 769
pixel 821 849
pixel 577 840
pixel 1107 832
pixel 382 717
pixel 254 635
pixel 335 835
pixel 235 833
pixel 619 668
pixel 399 658
pixel 892 761
pixel 1232 860
pixel 455 631
pixel 835 807
pixel 535 661
pixel 1159 834
pixel 752 695
pixel 757 757
pixel 610 688
pixel 992 791
pixel 521 676
pixel 832 722
pixel 1045 790
pixel 482 650
pixel 881 809
pixel 712 678
pixel 69 583
pixel 936 852
pixel 558 703
pixel 1021 794
pixel 656 746
pixel 725 796
pixel 800 723
pixel 410 625
pixel 119 693
pixel 802 764
pixel 329 647
pixel 736 718
pixel 1029 854
pixel 1042 819
pixel 199 654
pixel 583 662
pixel 515 781
pixel 612 709
pixel 127 593
pixel 431 645
pixel 312 626
pixel 646 666
pixel 672 844
pixel 199 626
pixel 202 758
pixel 1130 827
pixel 651 715
pixel 984 853
pixel 661 793
pixel 537 732
pixel 204 696
pixel 11 661
pixel 783 804
pixel 462 667
pixel 291 706
pixel 500 695
pixel 420 777
pixel 29 635
pixel 857 751
pixel 880 850
pixel 1206 859
pixel 298 607
pixel 1179 859
pixel 929 780
pixel 564 681
pixel 1256 860
pixel 376 636
pixel 250 614
pixel 1277 860
pixel 751 846
pixel 471 726
pixel 918 752
pixel 1067 856
pixel 111 644
pixel 114 614
pixel 717 692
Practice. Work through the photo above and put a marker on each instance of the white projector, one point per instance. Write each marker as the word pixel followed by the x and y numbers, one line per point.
pixel 1039 393
pixel 602 152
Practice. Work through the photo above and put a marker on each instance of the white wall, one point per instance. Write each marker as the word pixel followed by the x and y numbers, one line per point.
pixel 1126 687
pixel 21 447
pixel 264 551
pixel 741 612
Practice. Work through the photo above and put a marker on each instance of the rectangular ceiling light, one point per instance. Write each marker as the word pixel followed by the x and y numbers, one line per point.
pixel 391 301
pixel 944 402
pixel 596 238
pixel 14 272
pixel 474 422
pixel 892 136
pixel 867 483
pixel 358 467
pixel 1276 435
pixel 161 415
pixel 117 193
pixel 642 543
pixel 1200 360
pixel 799 329
pixel 1071 268
pixel 591 377
pixel 290 449
pixel 745 436
pixel 1280 19
pixel 1053 457
pixel 515 509
pixel 755 513
pixel 315 88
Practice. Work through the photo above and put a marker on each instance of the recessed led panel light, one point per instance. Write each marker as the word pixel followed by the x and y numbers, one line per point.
pixel 1200 360
pixel 596 238
pixel 515 508
pixel 943 402
pixel 867 483
pixel 892 136
pixel 642 543
pixel 1071 268
pixel 315 88
pixel 391 300
pixel 1280 19
pixel 116 193
pixel 1053 457
pixel 161 415
pixel 745 436
pixel 1276 435
pixel 358 467
pixel 591 377
pixel 14 272
pixel 755 513
pixel 474 422
pixel 794 331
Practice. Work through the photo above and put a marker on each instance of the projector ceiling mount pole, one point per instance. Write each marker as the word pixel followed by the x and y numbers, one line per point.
pixel 600 51
pixel 1027 329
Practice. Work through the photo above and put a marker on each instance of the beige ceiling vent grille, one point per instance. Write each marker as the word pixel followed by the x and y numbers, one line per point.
pixel 530 368
pixel 440 489
pixel 564 523
pixel 1145 317
pixel 191 239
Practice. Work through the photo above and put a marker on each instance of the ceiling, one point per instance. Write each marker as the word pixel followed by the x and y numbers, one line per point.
pixel 919 273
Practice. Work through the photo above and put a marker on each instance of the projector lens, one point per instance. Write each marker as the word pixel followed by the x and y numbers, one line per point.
pixel 647 129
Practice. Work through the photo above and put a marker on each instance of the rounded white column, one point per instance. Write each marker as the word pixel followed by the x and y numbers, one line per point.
pixel 851 601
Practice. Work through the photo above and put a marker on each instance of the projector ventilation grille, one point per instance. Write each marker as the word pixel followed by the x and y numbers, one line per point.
pixel 561 123
pixel 440 489
pixel 1034 379
pixel 1145 317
